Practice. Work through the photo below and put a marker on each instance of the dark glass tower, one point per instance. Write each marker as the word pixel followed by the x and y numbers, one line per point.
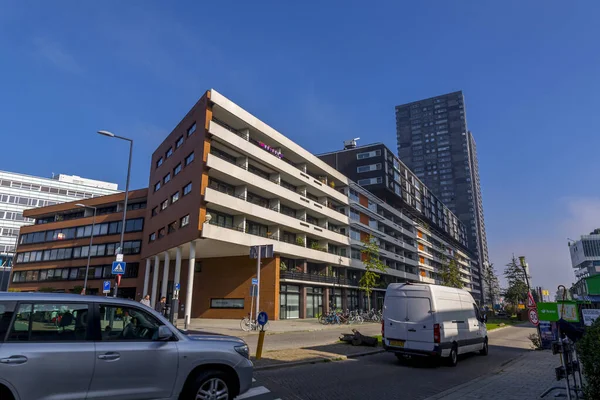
pixel 435 143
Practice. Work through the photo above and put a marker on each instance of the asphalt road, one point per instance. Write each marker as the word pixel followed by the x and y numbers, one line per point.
pixel 382 376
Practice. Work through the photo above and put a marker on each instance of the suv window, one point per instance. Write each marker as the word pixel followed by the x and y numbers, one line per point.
pixel 127 323
pixel 50 322
pixel 6 312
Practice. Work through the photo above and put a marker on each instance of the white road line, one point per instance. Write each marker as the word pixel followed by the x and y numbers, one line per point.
pixel 253 392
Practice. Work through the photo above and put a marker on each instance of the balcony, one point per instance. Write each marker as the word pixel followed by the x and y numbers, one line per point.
pixel 332 280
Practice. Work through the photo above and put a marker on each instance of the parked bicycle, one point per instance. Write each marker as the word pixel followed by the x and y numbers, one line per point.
pixel 248 324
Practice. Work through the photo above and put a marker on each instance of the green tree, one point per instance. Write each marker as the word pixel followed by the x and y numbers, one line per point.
pixel 492 284
pixel 589 354
pixel 451 275
pixel 373 265
pixel 517 282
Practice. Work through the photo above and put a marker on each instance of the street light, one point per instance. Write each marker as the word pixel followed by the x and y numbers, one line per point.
pixel 524 266
pixel 112 135
pixel 87 267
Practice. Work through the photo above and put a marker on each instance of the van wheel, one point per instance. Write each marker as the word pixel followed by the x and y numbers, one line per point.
pixel 484 350
pixel 453 358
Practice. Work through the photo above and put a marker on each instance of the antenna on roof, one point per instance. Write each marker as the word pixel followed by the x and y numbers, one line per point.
pixel 350 144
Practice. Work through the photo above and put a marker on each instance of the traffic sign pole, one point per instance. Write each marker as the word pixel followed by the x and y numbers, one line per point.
pixel 257 282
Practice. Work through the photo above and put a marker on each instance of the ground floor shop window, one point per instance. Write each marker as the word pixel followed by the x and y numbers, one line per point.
pixel 289 301
pixel 352 297
pixel 380 296
pixel 335 297
pixel 314 302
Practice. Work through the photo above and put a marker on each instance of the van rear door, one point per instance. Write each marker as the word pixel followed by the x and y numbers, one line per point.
pixel 419 327
pixel 395 319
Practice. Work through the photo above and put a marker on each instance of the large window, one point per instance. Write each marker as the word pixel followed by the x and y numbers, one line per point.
pixel 254 228
pixel 355 215
pixel 50 322
pixel 105 228
pixel 369 154
pixel 237 304
pixel 179 142
pixel 367 168
pixel 187 189
pixel 189 158
pixel 191 129
pixel 98 250
pixel 289 301
pixel 220 219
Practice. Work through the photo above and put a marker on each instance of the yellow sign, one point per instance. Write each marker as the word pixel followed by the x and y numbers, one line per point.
pixel 521 306
pixel 545 293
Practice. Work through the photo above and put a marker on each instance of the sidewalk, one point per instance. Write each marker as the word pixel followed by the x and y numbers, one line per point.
pixel 525 378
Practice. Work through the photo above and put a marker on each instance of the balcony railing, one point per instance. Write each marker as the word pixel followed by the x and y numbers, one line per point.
pixel 333 280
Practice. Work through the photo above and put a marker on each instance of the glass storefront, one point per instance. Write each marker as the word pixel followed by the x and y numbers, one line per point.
pixel 314 302
pixel 335 298
pixel 289 301
pixel 352 297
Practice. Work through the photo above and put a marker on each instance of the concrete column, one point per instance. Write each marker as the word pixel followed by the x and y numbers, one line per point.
pixel 325 300
pixel 165 277
pixel 190 283
pixel 344 299
pixel 147 277
pixel 177 276
pixel 155 281
pixel 303 302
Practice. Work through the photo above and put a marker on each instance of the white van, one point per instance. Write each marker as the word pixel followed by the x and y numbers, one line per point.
pixel 431 320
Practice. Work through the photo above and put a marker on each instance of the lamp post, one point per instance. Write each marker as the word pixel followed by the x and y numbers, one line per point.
pixel 524 266
pixel 87 267
pixel 112 135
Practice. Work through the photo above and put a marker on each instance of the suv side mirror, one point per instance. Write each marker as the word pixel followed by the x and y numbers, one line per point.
pixel 164 333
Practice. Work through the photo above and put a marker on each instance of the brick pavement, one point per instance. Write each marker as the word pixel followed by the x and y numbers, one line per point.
pixel 525 378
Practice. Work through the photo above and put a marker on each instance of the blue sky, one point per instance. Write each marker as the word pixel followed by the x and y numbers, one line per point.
pixel 321 72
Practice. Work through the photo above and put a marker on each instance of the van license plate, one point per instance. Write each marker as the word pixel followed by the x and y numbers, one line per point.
pixel 397 343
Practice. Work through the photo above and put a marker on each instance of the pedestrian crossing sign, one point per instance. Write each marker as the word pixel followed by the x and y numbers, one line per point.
pixel 118 267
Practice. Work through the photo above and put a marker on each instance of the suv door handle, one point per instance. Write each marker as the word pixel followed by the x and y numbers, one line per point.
pixel 14 360
pixel 109 356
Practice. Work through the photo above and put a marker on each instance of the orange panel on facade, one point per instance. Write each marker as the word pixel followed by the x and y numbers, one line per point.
pixel 423 273
pixel 364 236
pixel 421 247
pixel 420 234
pixel 364 219
pixel 422 260
pixel 362 199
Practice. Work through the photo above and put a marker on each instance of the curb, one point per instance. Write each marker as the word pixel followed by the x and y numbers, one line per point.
pixel 473 381
pixel 315 361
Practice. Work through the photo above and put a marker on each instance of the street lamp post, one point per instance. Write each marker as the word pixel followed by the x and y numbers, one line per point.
pixel 112 135
pixel 87 267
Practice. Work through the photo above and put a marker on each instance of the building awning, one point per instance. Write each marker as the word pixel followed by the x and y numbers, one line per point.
pixel 589 297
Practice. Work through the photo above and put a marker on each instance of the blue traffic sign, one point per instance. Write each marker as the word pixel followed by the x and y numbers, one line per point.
pixel 254 281
pixel 106 287
pixel 118 267
pixel 262 319
pixel 177 286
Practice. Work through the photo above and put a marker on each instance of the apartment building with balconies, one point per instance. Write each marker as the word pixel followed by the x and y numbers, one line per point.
pixel 52 253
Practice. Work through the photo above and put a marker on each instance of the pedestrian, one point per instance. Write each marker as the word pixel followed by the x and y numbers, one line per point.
pixel 161 306
pixel 146 300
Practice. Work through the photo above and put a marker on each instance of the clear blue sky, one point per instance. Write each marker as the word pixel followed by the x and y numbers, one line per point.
pixel 321 72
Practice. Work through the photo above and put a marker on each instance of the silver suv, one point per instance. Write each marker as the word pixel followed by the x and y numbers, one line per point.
pixel 55 346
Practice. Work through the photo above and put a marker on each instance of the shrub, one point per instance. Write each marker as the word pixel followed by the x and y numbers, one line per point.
pixel 588 352
pixel 535 340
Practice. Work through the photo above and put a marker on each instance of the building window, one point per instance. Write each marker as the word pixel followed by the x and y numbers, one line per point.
pixel 355 215
pixel 355 254
pixel 189 159
pixel 367 168
pixel 369 154
pixel 152 237
pixel 227 303
pixel 175 197
pixel 161 233
pixel 191 129
pixel 156 186
pixel 187 189
pixel 169 152
pixel 164 205
pixel 177 169
pixel 354 234
pixel 370 181
pixel 167 178
pixel 185 221
pixel 159 162
pixel 353 195
pixel 171 227
pixel 155 211
pixel 179 142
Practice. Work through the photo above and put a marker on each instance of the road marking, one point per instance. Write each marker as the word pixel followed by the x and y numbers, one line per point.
pixel 257 391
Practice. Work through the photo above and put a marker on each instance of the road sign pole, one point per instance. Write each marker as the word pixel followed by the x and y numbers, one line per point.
pixel 251 301
pixel 258 281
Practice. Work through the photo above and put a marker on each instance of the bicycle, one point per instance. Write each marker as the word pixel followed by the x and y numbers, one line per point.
pixel 248 325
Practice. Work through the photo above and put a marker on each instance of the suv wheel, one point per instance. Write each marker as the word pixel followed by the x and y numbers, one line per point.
pixel 211 385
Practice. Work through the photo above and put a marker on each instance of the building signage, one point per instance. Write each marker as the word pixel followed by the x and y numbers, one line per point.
pixel 548 312
pixel 271 150
pixel 590 315
pixel 568 312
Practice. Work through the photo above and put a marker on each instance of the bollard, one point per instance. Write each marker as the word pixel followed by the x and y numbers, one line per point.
pixel 259 347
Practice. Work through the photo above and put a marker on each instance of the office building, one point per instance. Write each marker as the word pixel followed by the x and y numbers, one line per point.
pixel 52 253
pixel 585 255
pixel 434 234
pixel 20 192
pixel 435 143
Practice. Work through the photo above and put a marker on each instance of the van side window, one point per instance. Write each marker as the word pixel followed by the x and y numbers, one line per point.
pixel 50 322
pixel 6 313
pixel 477 314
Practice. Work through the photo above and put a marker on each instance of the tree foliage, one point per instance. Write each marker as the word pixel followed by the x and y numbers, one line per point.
pixel 492 284
pixel 373 265
pixel 517 282
pixel 451 275
pixel 588 352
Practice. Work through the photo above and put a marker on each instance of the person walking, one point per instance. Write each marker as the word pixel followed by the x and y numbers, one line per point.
pixel 161 306
pixel 146 300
